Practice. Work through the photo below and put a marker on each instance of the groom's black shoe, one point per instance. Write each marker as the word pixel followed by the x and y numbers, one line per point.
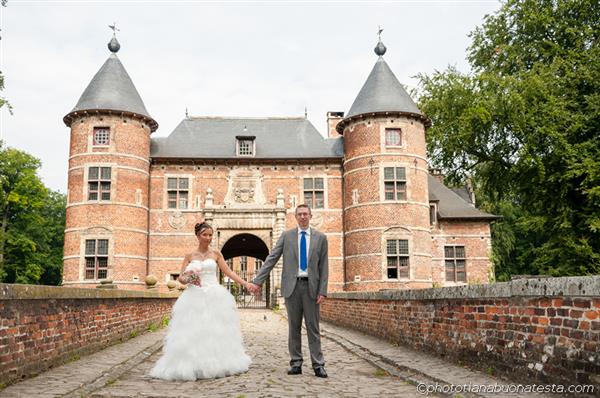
pixel 320 372
pixel 295 370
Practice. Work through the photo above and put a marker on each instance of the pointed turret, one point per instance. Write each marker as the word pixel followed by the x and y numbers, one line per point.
pixel 382 93
pixel 385 215
pixel 112 90
pixel 107 212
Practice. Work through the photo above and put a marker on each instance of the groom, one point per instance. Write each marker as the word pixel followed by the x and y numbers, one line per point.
pixel 303 285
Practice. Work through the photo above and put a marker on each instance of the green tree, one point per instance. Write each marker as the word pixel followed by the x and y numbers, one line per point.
pixel 525 125
pixel 32 222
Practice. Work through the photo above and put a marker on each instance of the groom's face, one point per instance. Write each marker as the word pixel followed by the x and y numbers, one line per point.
pixel 303 217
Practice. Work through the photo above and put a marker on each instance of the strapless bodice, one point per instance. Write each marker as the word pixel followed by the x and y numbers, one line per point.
pixel 207 269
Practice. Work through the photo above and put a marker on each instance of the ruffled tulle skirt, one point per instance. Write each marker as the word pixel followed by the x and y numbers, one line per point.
pixel 204 339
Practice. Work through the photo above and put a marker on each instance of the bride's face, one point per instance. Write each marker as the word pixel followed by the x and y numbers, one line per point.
pixel 205 236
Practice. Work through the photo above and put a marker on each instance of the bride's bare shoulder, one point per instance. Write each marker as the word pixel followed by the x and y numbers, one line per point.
pixel 216 254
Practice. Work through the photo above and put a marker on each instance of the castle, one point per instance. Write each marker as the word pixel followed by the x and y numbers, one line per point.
pixel 391 223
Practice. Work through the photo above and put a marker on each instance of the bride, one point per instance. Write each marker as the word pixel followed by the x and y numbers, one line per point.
pixel 204 338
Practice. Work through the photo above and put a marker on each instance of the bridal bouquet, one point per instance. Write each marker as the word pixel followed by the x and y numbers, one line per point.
pixel 192 277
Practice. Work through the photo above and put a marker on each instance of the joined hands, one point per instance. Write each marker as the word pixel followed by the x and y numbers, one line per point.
pixel 252 288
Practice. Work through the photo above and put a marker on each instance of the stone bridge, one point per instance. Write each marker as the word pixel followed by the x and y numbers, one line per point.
pixel 534 337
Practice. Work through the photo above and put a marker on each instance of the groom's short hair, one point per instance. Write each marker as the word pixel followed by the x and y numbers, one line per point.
pixel 303 205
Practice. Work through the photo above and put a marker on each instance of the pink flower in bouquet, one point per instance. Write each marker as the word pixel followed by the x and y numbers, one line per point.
pixel 193 278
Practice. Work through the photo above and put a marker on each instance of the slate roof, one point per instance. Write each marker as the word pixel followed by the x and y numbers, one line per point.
pixel 111 89
pixel 275 138
pixel 451 205
pixel 382 92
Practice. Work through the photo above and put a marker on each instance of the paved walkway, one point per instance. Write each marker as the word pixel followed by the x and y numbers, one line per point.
pixel 358 366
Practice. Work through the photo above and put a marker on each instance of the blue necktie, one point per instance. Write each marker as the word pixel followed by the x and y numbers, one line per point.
pixel 303 259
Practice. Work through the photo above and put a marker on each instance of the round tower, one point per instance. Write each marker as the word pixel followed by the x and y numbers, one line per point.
pixel 106 231
pixel 386 200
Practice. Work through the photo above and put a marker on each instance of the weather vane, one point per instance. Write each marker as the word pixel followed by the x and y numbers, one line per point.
pixel 379 32
pixel 114 27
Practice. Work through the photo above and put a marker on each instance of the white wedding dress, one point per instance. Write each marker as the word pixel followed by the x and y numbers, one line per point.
pixel 204 338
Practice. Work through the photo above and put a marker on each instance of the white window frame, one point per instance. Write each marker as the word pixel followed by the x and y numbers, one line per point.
pixel 325 195
pixel 455 258
pixel 383 180
pixel 238 143
pixel 397 233
pixel 190 191
pixel 401 133
pixel 99 180
pixel 97 129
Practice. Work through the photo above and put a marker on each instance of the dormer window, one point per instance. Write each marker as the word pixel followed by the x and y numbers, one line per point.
pixel 245 145
pixel 101 136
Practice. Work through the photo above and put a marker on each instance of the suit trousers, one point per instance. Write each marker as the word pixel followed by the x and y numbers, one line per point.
pixel 300 305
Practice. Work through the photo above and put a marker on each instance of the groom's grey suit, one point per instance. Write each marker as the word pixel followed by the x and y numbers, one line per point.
pixel 300 294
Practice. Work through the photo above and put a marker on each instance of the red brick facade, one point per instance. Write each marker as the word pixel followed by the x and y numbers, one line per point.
pixel 131 212
pixel 145 236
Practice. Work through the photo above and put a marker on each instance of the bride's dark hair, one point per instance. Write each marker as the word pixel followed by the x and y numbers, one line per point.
pixel 201 226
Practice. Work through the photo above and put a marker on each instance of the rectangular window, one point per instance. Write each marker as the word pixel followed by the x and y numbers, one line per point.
pixel 245 147
pixel 455 260
pixel 99 183
pixel 177 192
pixel 96 259
pixel 397 258
pixel 394 180
pixel 259 264
pixel 393 137
pixel 314 193
pixel 243 263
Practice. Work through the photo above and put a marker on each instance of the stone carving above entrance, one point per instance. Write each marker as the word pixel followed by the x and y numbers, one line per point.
pixel 244 192
pixel 245 188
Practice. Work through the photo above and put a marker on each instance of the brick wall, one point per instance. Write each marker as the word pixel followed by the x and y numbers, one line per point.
pixel 546 330
pixel 42 326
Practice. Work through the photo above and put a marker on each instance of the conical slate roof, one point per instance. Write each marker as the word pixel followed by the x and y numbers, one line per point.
pixel 382 92
pixel 111 89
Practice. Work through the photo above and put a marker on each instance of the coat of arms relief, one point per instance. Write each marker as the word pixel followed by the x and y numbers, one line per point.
pixel 245 188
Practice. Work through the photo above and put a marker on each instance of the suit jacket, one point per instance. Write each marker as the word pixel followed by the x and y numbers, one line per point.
pixel 318 267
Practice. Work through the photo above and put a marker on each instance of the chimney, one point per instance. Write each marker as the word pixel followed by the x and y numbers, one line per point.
pixel 333 118
pixel 470 190
pixel 437 173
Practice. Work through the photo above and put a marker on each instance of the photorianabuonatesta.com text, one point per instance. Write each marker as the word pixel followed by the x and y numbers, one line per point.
pixel 426 389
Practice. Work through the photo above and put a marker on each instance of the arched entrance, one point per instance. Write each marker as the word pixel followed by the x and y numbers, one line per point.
pixel 245 254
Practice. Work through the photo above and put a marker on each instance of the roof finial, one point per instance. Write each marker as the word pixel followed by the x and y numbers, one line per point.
pixel 114 45
pixel 305 112
pixel 380 48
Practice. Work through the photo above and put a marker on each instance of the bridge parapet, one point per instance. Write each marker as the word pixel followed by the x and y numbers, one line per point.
pixel 533 329
pixel 42 326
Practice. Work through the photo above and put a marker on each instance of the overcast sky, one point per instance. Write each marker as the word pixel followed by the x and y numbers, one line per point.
pixel 251 58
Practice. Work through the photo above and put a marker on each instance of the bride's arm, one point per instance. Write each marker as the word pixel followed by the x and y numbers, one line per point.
pixel 227 271
pixel 182 278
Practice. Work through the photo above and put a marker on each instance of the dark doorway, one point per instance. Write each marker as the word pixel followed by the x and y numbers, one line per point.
pixel 245 254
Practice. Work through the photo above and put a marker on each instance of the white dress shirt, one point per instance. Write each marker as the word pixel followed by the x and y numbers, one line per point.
pixel 307 237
